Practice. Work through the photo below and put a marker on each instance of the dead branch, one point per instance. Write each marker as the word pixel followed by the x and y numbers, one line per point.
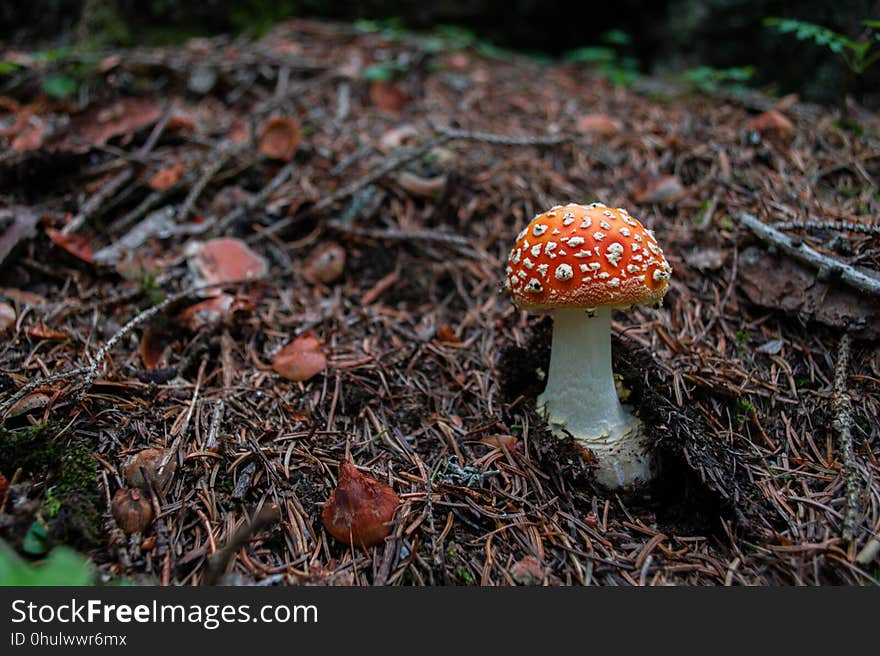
pixel 839 226
pixel 842 423
pixel 802 252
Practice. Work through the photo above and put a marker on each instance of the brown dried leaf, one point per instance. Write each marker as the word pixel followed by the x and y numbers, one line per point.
pixel 387 96
pixel 42 331
pixel 98 125
pixel 224 259
pixel 78 245
pixel 300 360
pixel 280 139
pixel 662 189
pixel 601 125
pixel 167 177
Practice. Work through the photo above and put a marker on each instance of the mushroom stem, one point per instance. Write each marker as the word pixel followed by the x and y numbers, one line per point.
pixel 581 398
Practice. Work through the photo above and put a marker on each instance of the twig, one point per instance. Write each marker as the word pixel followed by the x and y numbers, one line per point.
pixel 255 201
pixel 804 253
pixel 842 423
pixel 502 139
pixel 98 199
pixel 429 236
pixel 841 226
pixel 219 156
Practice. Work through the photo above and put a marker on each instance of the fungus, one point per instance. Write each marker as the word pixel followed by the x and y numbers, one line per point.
pixel 580 273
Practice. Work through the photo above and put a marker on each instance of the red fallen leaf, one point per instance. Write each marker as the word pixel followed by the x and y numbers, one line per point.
pixel 213 311
pixel 529 571
pixel 7 317
pixel 153 343
pixel 599 124
pixel 223 260
pixel 662 189
pixel 445 333
pixel 387 96
pixel 42 331
pixel 98 125
pixel 280 138
pixel 508 441
pixel 360 510
pixel 300 360
pixel 167 177
pixel 771 123
pixel 78 245
pixel 30 136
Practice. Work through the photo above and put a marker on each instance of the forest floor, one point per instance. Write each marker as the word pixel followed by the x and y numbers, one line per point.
pixel 382 182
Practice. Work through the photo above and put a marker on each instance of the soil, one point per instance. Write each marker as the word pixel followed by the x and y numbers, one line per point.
pixel 428 363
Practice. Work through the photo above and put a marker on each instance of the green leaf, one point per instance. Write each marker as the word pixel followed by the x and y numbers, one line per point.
pixel 7 67
pixel 590 54
pixel 63 567
pixel 616 38
pixel 59 86
pixel 34 542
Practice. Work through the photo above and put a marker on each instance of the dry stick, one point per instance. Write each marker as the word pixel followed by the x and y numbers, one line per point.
pixel 255 201
pixel 841 226
pixel 842 423
pixel 804 253
pixel 430 236
pixel 219 156
pixel 92 370
pixel 98 199
pixel 502 139
pixel 357 185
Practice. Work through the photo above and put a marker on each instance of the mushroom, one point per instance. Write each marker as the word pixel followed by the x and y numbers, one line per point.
pixel 580 261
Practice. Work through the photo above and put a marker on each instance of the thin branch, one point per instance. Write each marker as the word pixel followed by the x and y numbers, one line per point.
pixel 840 226
pixel 842 423
pixel 800 251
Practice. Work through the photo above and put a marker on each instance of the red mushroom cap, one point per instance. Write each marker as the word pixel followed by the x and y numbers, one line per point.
pixel 586 256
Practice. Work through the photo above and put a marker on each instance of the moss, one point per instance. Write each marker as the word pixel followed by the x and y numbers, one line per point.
pixel 69 466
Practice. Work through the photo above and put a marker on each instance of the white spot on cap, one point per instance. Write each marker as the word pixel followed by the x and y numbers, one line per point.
pixel 614 282
pixel 562 252
pixel 632 268
pixel 528 264
pixel 536 250
pixel 539 229
pixel 595 266
pixel 517 255
pixel 598 236
pixel 593 206
pixel 564 272
pixel 522 233
pixel 584 268
pixel 568 219
pixel 605 225
pixel 659 275
pixel 556 231
pixel 603 275
pixel 625 232
pixel 522 274
pixel 550 247
pixel 534 286
pixel 586 253
pixel 613 253
pixel 575 241
pixel 542 269
pixel 638 238
pixel 586 223
pixel 653 249
pixel 609 214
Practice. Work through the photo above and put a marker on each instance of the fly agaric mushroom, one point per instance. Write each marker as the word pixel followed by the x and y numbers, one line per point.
pixel 580 261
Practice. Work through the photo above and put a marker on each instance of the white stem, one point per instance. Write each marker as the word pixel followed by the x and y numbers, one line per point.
pixel 581 398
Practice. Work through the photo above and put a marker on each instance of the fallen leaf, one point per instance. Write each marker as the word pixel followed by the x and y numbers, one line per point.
pixel 280 138
pixel 98 125
pixel 42 331
pixel 421 187
pixel 153 345
pixel 78 245
pixel 325 264
pixel 7 317
pixel 529 571
pixel 387 96
pixel 34 401
pixel 509 442
pixel 771 123
pixel 224 259
pixel 300 360
pixel 212 311
pixel 599 124
pixel 167 177
pixel 445 333
pixel 661 189
pixel 403 135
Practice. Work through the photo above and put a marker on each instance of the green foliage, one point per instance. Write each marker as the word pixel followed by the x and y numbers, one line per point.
pixel 708 79
pixel 858 54
pixel 59 86
pixel 63 567
pixel 607 61
pixel 383 72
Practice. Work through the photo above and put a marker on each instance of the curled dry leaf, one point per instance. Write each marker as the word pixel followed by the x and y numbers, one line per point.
pixel 153 345
pixel 98 126
pixel 403 135
pixel 497 440
pixel 300 360
pixel 33 401
pixel 142 468
pixel 280 138
pixel 213 311
pixel 771 124
pixel 167 177
pixel 7 317
pixel 42 331
pixel 325 264
pixel 78 245
pixel 131 510
pixel 360 510
pixel 421 187
pixel 662 189
pixel 387 96
pixel 224 259
pixel 599 124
